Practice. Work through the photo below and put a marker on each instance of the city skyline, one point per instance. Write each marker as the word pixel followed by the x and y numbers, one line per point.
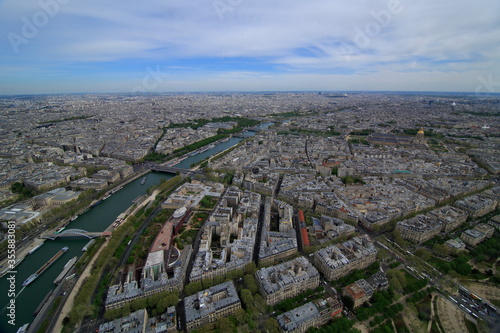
pixel 64 46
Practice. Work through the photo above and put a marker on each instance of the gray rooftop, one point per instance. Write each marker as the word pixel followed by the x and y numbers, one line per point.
pixel 277 277
pixel 210 300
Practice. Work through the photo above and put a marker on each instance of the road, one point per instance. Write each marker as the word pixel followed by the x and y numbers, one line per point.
pixel 464 301
pixel 475 308
pixel 68 305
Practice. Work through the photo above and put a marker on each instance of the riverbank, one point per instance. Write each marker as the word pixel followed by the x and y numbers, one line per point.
pixel 68 305
pixel 21 253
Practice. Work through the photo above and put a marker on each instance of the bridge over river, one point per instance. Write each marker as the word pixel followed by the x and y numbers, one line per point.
pixel 76 233
pixel 169 169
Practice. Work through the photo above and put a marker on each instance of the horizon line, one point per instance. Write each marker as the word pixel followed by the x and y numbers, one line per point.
pixel 477 94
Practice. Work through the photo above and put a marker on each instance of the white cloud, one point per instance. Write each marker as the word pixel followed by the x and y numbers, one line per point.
pixel 290 35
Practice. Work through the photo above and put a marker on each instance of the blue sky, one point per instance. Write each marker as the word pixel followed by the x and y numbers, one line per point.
pixel 71 46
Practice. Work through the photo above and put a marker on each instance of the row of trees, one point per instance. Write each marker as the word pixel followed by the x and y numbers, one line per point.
pixel 391 313
pixel 340 325
pixel 107 262
pixel 22 191
pixel 155 304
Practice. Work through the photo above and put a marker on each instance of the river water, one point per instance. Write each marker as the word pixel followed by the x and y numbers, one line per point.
pixel 97 219
pixel 186 164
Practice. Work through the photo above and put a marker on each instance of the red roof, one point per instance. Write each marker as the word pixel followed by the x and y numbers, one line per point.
pixel 305 237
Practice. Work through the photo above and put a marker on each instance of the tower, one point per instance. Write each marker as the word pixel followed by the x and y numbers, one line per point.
pixel 420 137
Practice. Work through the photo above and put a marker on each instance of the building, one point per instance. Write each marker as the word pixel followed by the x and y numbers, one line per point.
pixel 190 195
pixel 158 275
pixel 275 245
pixel 477 205
pixel 419 228
pixel 111 176
pixel 133 323
pixel 286 214
pixel 164 323
pixel 139 322
pixel 420 137
pixel 312 314
pixel 359 292
pixel 211 304
pixel 339 260
pixel 472 237
pixel 89 184
pixel 286 280
pixel 56 197
pixel 455 244
pixel 451 217
pixel 495 222
pixel 486 229
pixel 332 227
pixel 378 281
pixel 228 237
pixel 20 214
pixel 363 290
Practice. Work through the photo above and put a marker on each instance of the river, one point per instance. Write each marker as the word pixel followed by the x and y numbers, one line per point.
pixel 97 219
pixel 186 164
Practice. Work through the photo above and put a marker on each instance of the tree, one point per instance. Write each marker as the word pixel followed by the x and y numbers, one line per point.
pixel 424 254
pixel 440 249
pixel 396 234
pixel 239 315
pixel 397 279
pixel 193 287
pixel 260 303
pixel 250 283
pixel 224 325
pixel 250 268
pixel 247 298
pixel 271 325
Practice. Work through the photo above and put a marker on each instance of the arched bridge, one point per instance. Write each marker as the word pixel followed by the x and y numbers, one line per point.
pixel 76 233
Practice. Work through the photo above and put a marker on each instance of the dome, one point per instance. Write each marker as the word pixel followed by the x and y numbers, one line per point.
pixel 179 212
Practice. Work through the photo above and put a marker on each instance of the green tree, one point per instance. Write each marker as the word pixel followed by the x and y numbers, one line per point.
pixel 239 315
pixel 396 234
pixel 271 325
pixel 440 249
pixel 397 279
pixel 424 254
pixel 247 298
pixel 260 303
pixel 224 325
pixel 193 287
pixel 251 283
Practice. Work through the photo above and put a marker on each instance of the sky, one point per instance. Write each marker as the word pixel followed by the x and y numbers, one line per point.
pixel 96 46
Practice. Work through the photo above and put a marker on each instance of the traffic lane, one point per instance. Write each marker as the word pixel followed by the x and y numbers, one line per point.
pixel 475 309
